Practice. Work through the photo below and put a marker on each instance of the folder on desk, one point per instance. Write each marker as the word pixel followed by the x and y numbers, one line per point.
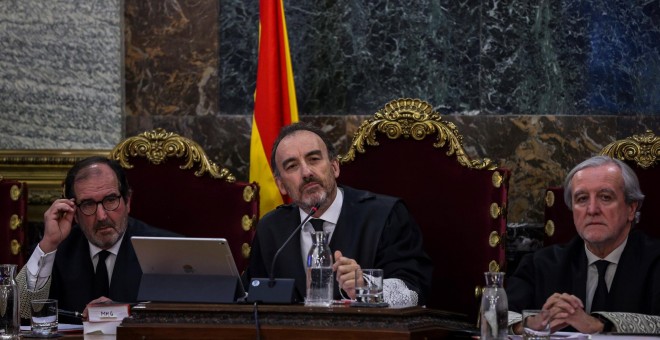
pixel 178 269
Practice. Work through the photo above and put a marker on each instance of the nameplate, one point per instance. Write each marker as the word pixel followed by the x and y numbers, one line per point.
pixel 108 312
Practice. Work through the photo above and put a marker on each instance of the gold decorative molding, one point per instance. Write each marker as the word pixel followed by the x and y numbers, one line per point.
pixel 158 145
pixel 412 118
pixel 549 228
pixel 245 250
pixel 494 239
pixel 497 179
pixel 249 193
pixel 495 210
pixel 43 171
pixel 493 266
pixel 478 291
pixel 644 149
pixel 15 247
pixel 248 222
pixel 15 192
pixel 549 198
pixel 15 222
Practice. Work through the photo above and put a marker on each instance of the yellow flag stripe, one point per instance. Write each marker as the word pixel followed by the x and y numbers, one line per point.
pixel 289 73
pixel 269 195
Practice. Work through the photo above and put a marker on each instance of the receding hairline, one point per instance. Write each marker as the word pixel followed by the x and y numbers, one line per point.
pixel 89 171
pixel 322 145
pixel 94 170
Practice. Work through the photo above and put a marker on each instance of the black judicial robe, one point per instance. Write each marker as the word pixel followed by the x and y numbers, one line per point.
pixel 563 269
pixel 375 230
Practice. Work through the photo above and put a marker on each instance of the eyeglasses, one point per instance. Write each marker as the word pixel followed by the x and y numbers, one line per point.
pixel 109 203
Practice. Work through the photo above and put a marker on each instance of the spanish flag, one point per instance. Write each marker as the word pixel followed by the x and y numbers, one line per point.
pixel 274 99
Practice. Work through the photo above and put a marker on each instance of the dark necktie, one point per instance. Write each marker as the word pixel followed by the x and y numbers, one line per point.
pixel 600 295
pixel 101 281
pixel 317 223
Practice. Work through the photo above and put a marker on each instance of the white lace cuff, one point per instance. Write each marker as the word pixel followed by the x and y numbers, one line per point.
pixel 397 294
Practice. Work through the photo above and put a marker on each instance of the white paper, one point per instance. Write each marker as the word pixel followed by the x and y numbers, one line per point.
pixel 62 327
pixel 104 327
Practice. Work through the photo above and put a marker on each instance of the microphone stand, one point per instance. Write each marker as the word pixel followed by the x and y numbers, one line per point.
pixel 271 281
pixel 272 290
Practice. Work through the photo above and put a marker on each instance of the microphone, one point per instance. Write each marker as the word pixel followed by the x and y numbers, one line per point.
pixel 312 211
pixel 277 291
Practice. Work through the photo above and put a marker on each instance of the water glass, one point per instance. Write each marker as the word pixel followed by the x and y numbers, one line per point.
pixel 536 324
pixel 44 317
pixel 369 285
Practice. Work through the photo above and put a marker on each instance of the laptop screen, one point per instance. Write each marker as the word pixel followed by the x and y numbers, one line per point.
pixel 173 256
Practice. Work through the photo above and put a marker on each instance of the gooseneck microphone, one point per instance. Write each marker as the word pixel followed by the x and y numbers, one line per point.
pixel 312 211
pixel 277 291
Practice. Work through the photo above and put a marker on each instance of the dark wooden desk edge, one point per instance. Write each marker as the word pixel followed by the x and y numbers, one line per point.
pixel 169 320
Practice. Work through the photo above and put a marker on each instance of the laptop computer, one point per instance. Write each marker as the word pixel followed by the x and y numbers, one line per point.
pixel 179 269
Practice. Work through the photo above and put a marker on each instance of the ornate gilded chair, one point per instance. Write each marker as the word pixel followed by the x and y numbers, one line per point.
pixel 642 153
pixel 407 150
pixel 13 221
pixel 176 187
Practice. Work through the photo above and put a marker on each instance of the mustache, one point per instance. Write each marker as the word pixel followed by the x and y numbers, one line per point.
pixel 308 180
pixel 104 224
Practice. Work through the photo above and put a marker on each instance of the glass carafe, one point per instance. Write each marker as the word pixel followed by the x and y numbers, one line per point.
pixel 319 272
pixel 10 323
pixel 494 308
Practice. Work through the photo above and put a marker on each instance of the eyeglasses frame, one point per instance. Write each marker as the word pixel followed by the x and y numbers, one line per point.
pixel 101 202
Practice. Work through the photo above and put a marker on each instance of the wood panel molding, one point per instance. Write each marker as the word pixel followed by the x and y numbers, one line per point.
pixel 43 170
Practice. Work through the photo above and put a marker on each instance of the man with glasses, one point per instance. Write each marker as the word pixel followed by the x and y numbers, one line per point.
pixel 89 224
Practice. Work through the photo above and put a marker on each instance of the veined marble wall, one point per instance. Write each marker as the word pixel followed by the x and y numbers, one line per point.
pixel 537 87
pixel 61 70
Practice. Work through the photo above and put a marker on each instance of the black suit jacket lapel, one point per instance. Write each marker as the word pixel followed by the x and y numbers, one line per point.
pixel 346 233
pixel 352 226
pixel 73 273
pixel 126 275
pixel 580 282
pixel 631 275
pixel 86 271
pixel 292 251
pixel 572 274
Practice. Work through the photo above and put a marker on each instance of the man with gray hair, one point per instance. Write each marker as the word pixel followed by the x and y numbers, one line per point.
pixel 608 278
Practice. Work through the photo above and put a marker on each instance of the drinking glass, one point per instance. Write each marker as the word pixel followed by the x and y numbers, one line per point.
pixel 369 285
pixel 44 317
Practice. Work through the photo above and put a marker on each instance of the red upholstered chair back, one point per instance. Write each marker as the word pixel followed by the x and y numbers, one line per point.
pixel 13 221
pixel 407 150
pixel 559 226
pixel 176 187
pixel 642 153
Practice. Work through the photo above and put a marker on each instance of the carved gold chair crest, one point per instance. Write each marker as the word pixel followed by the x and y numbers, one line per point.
pixel 408 150
pixel 176 187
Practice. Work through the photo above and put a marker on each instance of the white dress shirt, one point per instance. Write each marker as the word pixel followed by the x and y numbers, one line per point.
pixel 40 264
pixel 395 291
pixel 329 217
